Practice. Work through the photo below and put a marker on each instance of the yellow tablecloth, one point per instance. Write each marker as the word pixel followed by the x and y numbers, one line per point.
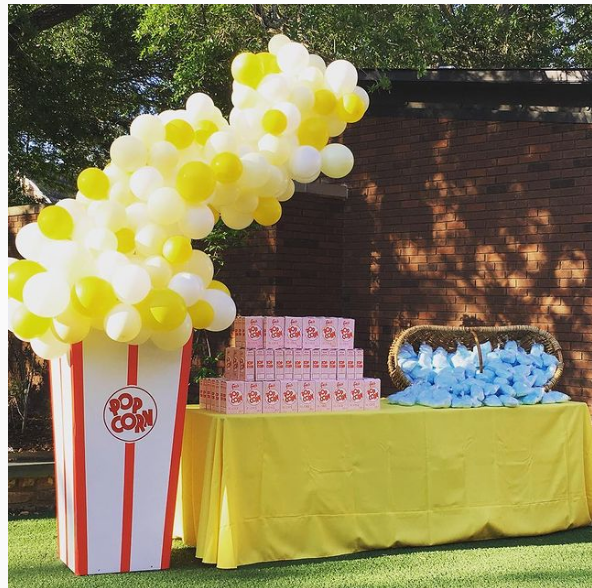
pixel 258 488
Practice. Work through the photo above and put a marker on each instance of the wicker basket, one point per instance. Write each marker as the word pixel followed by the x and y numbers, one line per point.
pixel 448 337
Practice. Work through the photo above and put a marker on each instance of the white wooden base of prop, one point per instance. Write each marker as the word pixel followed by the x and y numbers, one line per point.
pixel 118 413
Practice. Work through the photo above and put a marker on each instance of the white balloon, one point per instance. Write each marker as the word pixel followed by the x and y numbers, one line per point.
pixel 335 126
pixel 165 206
pixel 277 42
pixel 255 170
pixel 137 215
pixel 131 284
pixel 76 208
pixel 13 305
pixel 160 271
pixel 336 160
pixel 108 214
pixel 141 337
pixel 312 77
pixel 236 219
pixel 120 193
pixel 288 192
pixel 276 184
pixel 189 286
pixel 201 264
pixel 150 239
pixel 220 142
pixel 115 174
pixel 148 128
pixel 318 62
pixel 224 195
pixel 198 222
pixel 201 104
pixel 46 294
pixel 274 88
pixel 144 181
pixel 303 98
pixel 164 156
pixel 305 162
pixel 49 347
pixel 292 58
pixel 108 262
pixel 30 241
pixel 361 93
pixel 69 259
pixel 292 114
pixel 101 240
pixel 224 309
pixel 341 77
pixel 123 323
pixel 128 153
pixel 174 339
pixel 244 96
pixel 70 326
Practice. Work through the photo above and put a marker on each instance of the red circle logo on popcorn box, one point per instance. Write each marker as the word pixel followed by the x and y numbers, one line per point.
pixel 130 414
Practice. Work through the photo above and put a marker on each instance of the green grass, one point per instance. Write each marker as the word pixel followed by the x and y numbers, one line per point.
pixel 561 559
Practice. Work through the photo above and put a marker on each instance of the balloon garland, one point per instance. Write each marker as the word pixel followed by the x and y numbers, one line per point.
pixel 119 257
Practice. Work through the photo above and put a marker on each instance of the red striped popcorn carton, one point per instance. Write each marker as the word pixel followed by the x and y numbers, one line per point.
pixel 329 328
pixel 356 394
pixel 288 364
pixel 269 365
pixel 248 332
pixel 341 364
pixel 306 374
pixel 279 364
pixel 298 368
pixel 232 397
pixel 345 333
pixel 315 364
pixel 359 369
pixel 289 395
pixel 271 396
pixel 228 363
pixel 118 413
pixel 260 364
pixel 293 332
pixel 253 397
pixel 311 332
pixel 332 363
pixel 371 393
pixel 339 395
pixel 274 332
pixel 307 391
pixel 350 358
pixel 324 390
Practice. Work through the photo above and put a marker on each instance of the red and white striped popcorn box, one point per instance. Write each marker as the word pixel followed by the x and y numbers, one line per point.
pixel 345 333
pixel 359 369
pixel 356 394
pixel 278 356
pixel 333 363
pixel 216 394
pixel 271 396
pixel 253 397
pixel 339 395
pixel 311 332
pixel 341 364
pixel 293 332
pixel 329 327
pixel 306 364
pixel 232 397
pixel 371 393
pixel 260 364
pixel 288 364
pixel 307 391
pixel 323 399
pixel 118 413
pixel 238 359
pixel 228 363
pixel 249 360
pixel 274 332
pixel 298 367
pixel 269 365
pixel 248 332
pixel 289 395
pixel 204 391
pixel 325 373
pixel 350 368
pixel 315 364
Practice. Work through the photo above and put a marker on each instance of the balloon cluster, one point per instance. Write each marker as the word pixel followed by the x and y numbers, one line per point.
pixel 119 256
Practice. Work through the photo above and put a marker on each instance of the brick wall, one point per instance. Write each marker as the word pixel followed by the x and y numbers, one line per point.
pixel 31 494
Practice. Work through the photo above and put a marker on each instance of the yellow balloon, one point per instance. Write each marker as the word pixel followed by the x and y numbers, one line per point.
pixel 268 63
pixel 324 102
pixel 216 285
pixel 179 132
pixel 274 122
pixel 126 240
pixel 314 132
pixel 196 181
pixel 93 183
pixel 93 297
pixel 247 69
pixel 55 222
pixel 26 325
pixel 177 249
pixel 350 108
pixel 204 129
pixel 227 167
pixel 162 310
pixel 202 314
pixel 268 212
pixel 19 273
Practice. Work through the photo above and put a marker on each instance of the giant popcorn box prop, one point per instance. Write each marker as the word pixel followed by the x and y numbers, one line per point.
pixel 118 415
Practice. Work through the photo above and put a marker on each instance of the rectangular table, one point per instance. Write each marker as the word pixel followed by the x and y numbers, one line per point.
pixel 258 488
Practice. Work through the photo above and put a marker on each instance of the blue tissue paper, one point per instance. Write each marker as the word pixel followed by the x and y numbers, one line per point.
pixel 553 397
pixel 508 401
pixel 534 397
pixel 462 402
pixel 492 401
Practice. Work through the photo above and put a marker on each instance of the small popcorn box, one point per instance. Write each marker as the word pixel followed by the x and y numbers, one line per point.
pixel 289 394
pixel 329 327
pixel 356 394
pixel 371 388
pixel 249 361
pixel 217 390
pixel 315 364
pixel 306 364
pixel 274 332
pixel 340 396
pixel 311 333
pixel 228 363
pixel 288 364
pixel 350 359
pixel 238 364
pixel 203 393
pixel 232 400
pixel 325 373
pixel 298 356
pixel 359 369
pixel 269 365
pixel 293 332
pixel 253 397
pixel 248 332
pixel 278 356
pixel 345 333
pixel 271 396
pixel 323 395
pixel 307 390
pixel 341 364
pixel 332 363
pixel 259 364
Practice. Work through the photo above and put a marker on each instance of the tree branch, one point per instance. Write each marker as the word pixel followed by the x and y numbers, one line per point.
pixel 29 25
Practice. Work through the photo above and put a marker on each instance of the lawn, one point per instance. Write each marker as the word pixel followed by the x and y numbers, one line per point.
pixel 561 559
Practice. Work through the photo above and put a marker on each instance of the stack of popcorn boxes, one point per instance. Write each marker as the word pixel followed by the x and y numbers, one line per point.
pixel 291 364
